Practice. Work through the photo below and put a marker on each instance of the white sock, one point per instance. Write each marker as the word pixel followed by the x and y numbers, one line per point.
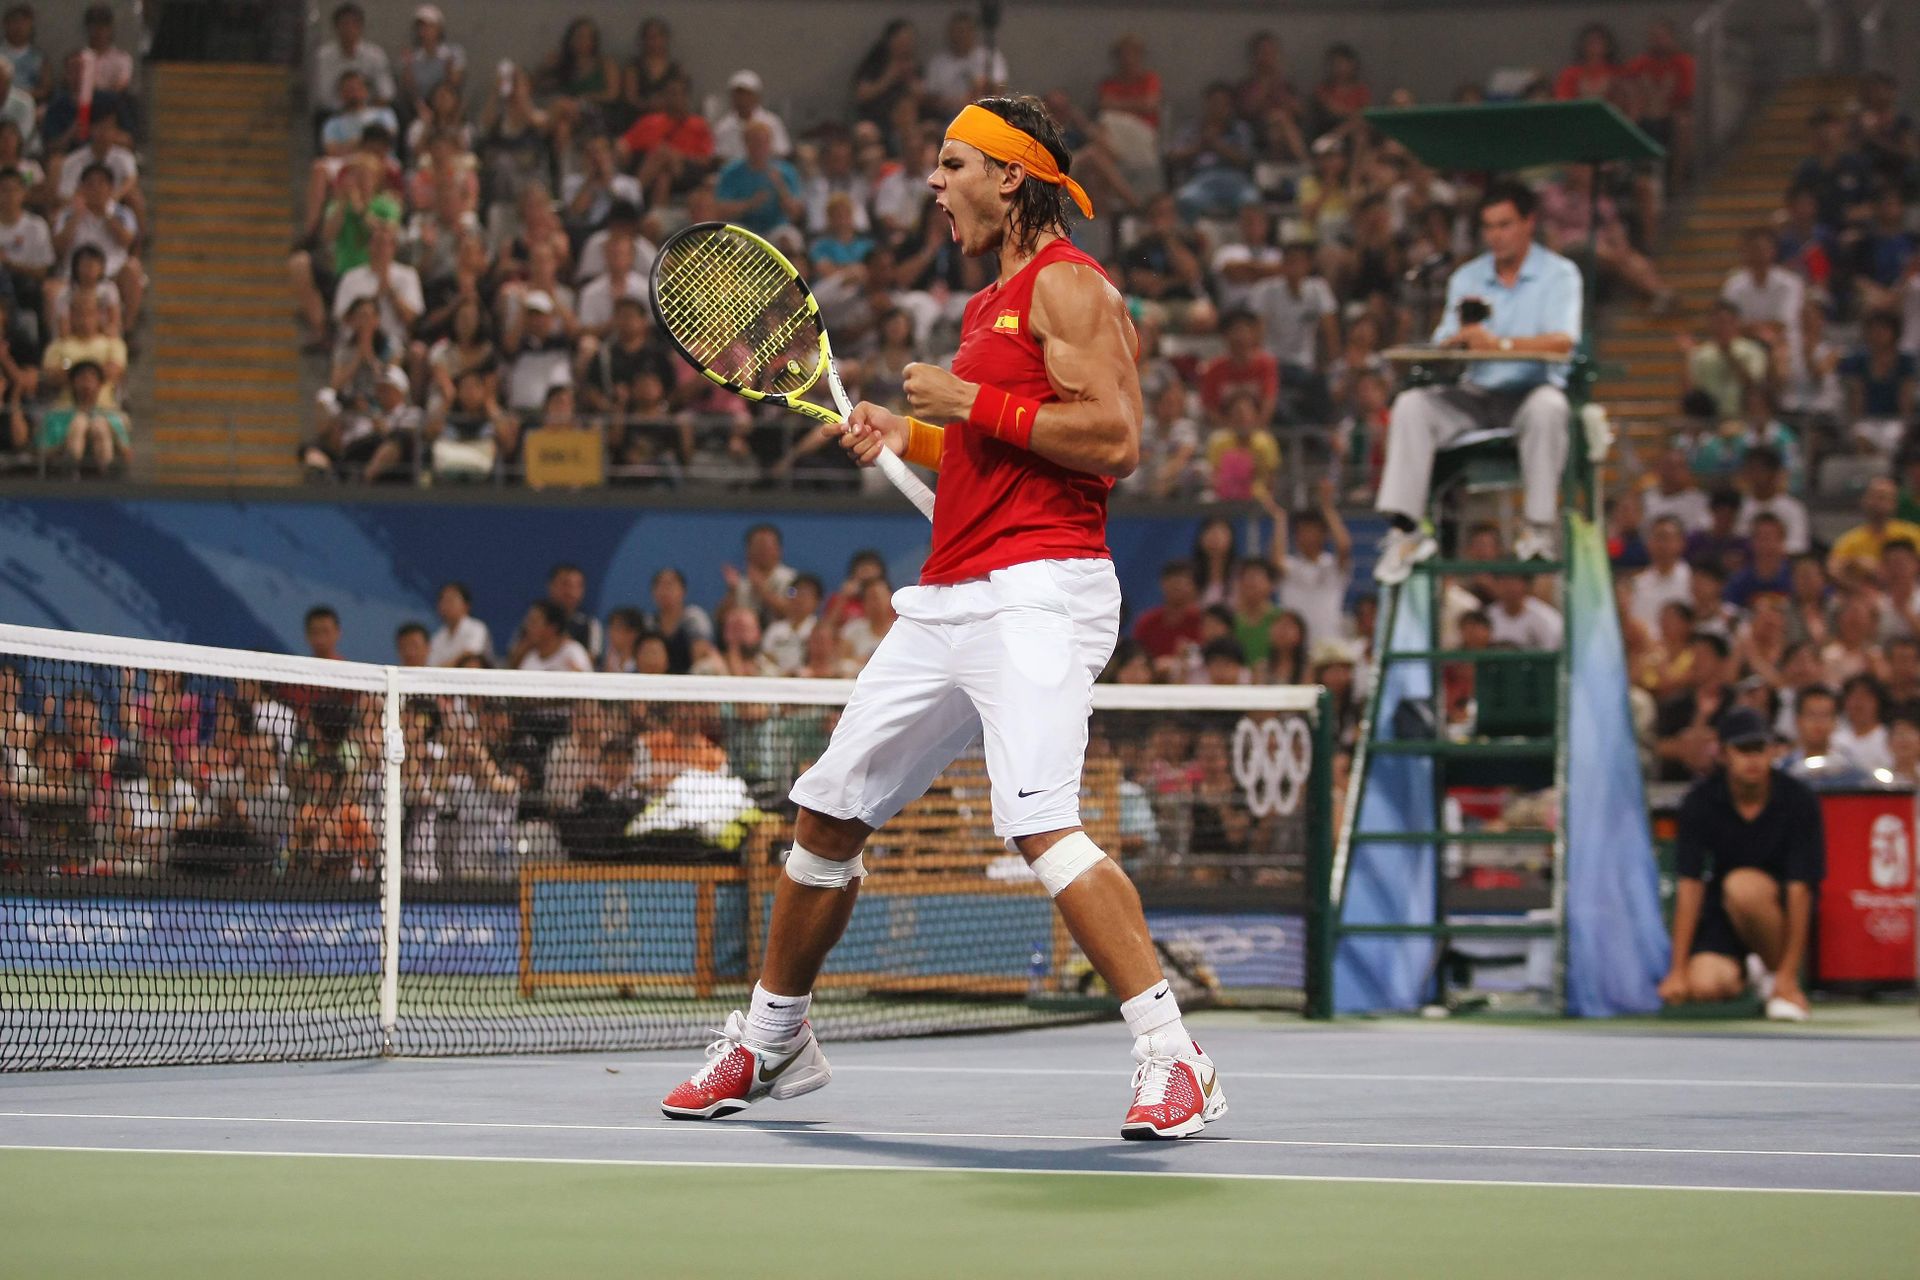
pixel 1154 1018
pixel 773 1020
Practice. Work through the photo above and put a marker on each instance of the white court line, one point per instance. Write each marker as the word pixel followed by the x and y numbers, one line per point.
pixel 799 1166
pixel 1636 1082
pixel 738 1127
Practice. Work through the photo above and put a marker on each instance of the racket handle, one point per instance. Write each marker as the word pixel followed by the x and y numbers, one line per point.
pixel 905 481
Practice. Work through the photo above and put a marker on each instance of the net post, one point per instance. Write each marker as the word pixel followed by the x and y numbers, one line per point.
pixel 1319 915
pixel 393 817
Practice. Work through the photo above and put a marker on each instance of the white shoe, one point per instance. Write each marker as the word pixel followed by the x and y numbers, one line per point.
pixel 1760 978
pixel 1400 550
pixel 1173 1097
pixel 1780 1009
pixel 1533 544
pixel 738 1074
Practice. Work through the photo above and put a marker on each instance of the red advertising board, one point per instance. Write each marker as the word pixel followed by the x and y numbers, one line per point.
pixel 1867 901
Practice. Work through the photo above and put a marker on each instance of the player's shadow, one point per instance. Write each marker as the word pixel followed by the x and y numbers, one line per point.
pixel 1093 1157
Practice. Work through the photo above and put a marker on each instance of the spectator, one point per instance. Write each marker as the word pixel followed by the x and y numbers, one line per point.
pixel 1902 670
pixel 1325 198
pixel 1165 272
pixel 1768 568
pixel 1765 473
pixel 1214 553
pixel 1521 618
pixel 1749 858
pixel 1760 647
pixel 1663 83
pixel 1724 453
pixel 644 80
pixel 1254 610
pixel 1807 606
pixel 686 628
pixel 1243 366
pixel 410 645
pixel 1675 493
pixel 1883 251
pixel 888 82
pixel 1804 244
pixel 1130 101
pixel 1595 71
pixel 1851 651
pixel 349 51
pixel 1899 596
pixel 1242 455
pixel 460 634
pixel 322 626
pixel 396 437
pixel 1880 382
pixel 1568 220
pixel 544 645
pixel 86 344
pixel 620 281
pixel 1860 737
pixel 1241 263
pixel 84 426
pixel 760 191
pixel 1838 179
pixel 542 358
pixel 1885 134
pixel 431 60
pixel 580 83
pixel 730 131
pixel 1855 557
pixel 762 588
pixel 1811 755
pixel 674 145
pixel 1903 747
pixel 567 593
pixel 469 433
pixel 393 286
pixel 1302 326
pixel 1667 580
pixel 590 193
pixel 1685 725
pixel 1812 392
pixel 1725 364
pixel 1170 461
pixel 96 218
pixel 1213 158
pixel 1267 100
pixel 1169 632
pixel 785 640
pixel 26 242
pixel 965 69
pixel 99 76
pixel 515 133
pixel 1314 555
pixel 357 112
pixel 23 54
pixel 1342 94
pixel 1766 294
pixel 863 635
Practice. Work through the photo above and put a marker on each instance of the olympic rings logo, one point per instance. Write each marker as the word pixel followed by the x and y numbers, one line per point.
pixel 1272 760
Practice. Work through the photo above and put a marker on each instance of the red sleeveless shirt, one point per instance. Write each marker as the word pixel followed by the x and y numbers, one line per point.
pixel 999 505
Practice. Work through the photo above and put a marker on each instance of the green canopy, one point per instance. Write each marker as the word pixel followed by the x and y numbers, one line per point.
pixel 1515 135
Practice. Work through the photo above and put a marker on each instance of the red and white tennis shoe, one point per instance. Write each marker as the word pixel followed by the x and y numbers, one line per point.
pixel 739 1074
pixel 1173 1097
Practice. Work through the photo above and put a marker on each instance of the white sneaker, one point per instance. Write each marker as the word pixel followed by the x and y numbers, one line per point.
pixel 738 1074
pixel 1533 544
pixel 1173 1097
pixel 1400 550
pixel 1780 1009
pixel 1760 978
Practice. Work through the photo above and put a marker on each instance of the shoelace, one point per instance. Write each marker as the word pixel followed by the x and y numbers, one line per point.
pixel 1150 1081
pixel 716 1054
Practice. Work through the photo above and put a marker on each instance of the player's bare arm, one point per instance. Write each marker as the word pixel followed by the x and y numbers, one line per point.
pixel 1089 342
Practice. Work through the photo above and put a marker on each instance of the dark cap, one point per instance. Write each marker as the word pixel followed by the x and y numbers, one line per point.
pixel 1744 727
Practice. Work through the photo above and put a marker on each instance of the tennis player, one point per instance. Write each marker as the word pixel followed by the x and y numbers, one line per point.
pixel 1015 615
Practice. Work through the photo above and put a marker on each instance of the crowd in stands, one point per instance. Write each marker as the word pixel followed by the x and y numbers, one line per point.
pixel 73 215
pixel 487 233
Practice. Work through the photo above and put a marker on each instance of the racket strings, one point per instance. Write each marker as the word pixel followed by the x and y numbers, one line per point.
pixel 739 311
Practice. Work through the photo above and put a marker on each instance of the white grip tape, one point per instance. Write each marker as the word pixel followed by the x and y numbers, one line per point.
pixel 817 872
pixel 1071 857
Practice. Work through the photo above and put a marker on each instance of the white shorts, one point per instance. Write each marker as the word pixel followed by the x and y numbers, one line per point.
pixel 1011 657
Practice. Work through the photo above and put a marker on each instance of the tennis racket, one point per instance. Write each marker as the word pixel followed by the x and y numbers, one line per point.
pixel 739 312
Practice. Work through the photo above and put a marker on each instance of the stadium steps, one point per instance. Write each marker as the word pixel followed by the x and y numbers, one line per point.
pixel 225 399
pixel 1747 186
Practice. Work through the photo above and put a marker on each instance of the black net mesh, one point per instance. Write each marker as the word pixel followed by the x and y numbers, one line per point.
pixel 191 867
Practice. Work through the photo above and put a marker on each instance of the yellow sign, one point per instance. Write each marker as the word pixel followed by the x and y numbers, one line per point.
pixel 564 458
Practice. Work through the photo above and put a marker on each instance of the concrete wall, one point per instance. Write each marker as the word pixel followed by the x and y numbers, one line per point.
pixel 806 52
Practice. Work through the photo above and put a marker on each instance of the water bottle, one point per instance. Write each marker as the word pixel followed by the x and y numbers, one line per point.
pixel 1037 965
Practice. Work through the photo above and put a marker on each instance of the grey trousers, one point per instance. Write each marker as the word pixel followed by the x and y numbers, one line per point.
pixel 1426 420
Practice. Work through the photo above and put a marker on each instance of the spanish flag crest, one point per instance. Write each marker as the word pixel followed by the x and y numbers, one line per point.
pixel 1007 322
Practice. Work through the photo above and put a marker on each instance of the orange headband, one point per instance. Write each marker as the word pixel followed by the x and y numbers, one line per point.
pixel 979 127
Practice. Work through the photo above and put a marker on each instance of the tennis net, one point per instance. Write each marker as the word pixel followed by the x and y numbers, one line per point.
pixel 209 855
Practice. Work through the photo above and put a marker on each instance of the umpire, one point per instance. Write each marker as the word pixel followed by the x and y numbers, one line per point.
pixel 1751 854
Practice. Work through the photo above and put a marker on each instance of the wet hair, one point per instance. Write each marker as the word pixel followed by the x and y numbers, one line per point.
pixel 1037 206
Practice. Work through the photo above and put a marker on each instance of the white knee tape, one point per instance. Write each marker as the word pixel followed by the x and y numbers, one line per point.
pixel 1070 858
pixel 817 872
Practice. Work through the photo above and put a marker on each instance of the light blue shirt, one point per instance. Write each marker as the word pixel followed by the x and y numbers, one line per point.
pixel 1543 298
